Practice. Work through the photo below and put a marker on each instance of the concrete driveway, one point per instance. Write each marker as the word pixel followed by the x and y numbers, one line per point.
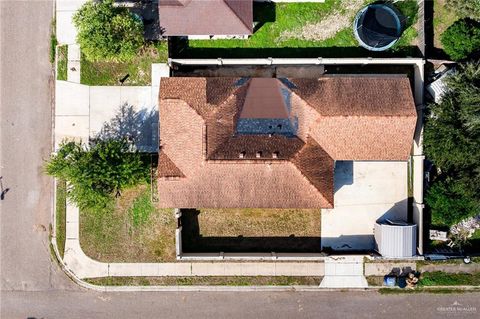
pixel 84 112
pixel 364 192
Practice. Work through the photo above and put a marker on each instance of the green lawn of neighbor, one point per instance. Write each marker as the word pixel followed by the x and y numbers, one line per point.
pixel 139 69
pixel 276 19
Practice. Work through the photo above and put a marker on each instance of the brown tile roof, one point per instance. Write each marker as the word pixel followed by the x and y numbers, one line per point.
pixel 206 17
pixel 357 95
pixel 275 147
pixel 166 168
pixel 317 166
pixel 264 100
pixel 225 167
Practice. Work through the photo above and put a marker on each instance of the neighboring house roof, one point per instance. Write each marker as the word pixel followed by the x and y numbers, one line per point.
pixel 248 142
pixel 205 17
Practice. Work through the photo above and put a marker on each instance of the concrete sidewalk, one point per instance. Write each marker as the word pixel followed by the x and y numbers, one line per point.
pixel 65 30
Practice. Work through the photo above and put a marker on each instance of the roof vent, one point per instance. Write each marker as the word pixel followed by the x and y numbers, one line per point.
pixel 275 155
pixel 241 155
pixel 259 154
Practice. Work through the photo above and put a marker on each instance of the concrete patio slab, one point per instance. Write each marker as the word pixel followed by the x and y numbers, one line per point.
pixel 364 193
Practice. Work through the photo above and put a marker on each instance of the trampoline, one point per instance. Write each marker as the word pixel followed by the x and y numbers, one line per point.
pixel 378 27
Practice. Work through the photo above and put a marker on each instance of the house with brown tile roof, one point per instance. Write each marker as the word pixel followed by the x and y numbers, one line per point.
pixel 273 143
pixel 206 17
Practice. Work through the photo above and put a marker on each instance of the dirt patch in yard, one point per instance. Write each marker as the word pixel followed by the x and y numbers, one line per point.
pixel 135 231
pixel 337 20
pixel 251 230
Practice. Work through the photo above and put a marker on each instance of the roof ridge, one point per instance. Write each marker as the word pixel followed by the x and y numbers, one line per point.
pixel 166 167
pixel 308 180
pixel 249 28
pixel 295 161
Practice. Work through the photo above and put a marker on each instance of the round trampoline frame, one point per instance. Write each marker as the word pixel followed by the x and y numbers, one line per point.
pixel 393 12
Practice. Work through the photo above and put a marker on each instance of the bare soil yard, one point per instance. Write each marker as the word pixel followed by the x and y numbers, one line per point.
pixel 251 230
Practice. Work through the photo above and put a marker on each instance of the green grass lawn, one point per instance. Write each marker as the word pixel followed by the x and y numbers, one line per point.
pixel 206 281
pixel 396 291
pixel 439 278
pixel 139 69
pixel 277 20
pixel 442 19
pixel 60 216
pixel 133 231
pixel 62 60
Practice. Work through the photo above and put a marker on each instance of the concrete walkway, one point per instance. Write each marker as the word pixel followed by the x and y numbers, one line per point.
pixel 73 63
pixel 344 272
pixel 452 268
pixel 65 30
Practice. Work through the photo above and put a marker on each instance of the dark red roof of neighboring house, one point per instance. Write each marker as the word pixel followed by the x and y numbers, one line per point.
pixel 205 17
pixel 220 136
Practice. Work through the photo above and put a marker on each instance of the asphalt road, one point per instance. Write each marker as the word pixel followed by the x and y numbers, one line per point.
pixel 25 120
pixel 238 305
pixel 32 286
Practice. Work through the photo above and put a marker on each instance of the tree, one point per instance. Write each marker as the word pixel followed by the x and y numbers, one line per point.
pixel 97 174
pixel 465 8
pixel 106 32
pixel 461 39
pixel 452 142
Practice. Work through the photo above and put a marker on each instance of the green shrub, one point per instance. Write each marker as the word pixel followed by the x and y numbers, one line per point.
pixel 97 174
pixel 106 32
pixel 450 202
pixel 461 39
pixel 452 142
